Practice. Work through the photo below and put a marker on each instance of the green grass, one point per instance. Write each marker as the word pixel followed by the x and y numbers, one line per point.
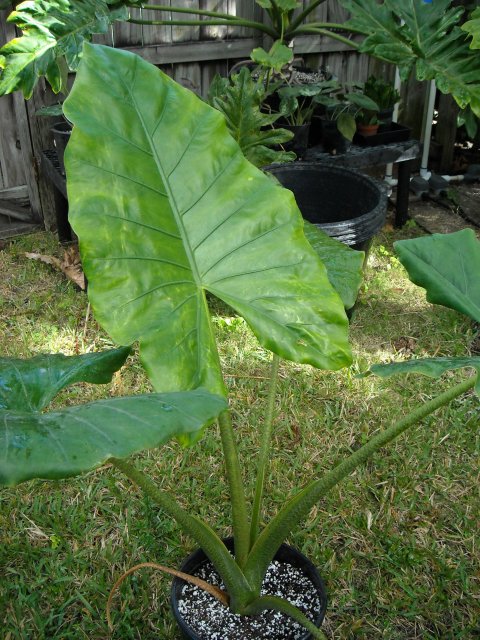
pixel 397 542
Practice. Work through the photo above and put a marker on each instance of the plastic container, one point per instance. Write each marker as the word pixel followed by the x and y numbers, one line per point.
pixel 345 203
pixel 61 135
pixel 286 554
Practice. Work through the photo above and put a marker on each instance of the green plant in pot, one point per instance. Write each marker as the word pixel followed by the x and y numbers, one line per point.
pixel 385 95
pixel 341 110
pixel 158 171
pixel 240 98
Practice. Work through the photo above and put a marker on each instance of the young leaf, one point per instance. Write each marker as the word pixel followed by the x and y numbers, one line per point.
pixel 432 367
pixel 278 56
pixel 29 385
pixel 166 207
pixel 71 441
pixel 448 267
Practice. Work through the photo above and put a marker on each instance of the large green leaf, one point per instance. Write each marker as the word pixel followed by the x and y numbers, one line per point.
pixel 71 441
pixel 53 35
pixel 29 385
pixel 448 267
pixel 344 265
pixel 166 207
pixel 432 367
pixel 426 36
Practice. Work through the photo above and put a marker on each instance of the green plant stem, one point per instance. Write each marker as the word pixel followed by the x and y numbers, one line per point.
pixel 191 10
pixel 237 490
pixel 279 604
pixel 299 506
pixel 238 589
pixel 231 21
pixel 306 12
pixel 325 32
pixel 263 455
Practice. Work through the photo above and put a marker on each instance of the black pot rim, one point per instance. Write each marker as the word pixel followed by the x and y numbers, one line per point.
pixel 351 231
pixel 198 557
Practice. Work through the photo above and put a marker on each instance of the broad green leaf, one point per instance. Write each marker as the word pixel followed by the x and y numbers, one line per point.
pixel 52 38
pixel 362 101
pixel 448 267
pixel 426 36
pixel 29 385
pixel 346 125
pixel 71 441
pixel 344 265
pixel 166 208
pixel 278 56
pixel 472 27
pixel 432 367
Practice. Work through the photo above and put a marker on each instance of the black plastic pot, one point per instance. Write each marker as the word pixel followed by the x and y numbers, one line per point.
pixel 61 135
pixel 325 132
pixel 299 142
pixel 286 554
pixel 344 203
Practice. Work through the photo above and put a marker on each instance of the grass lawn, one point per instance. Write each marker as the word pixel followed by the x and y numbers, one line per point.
pixel 397 543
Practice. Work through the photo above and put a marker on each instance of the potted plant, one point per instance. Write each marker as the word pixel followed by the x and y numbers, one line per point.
pixel 292 93
pixel 158 171
pixel 367 122
pixel 240 98
pixel 386 97
pixel 341 109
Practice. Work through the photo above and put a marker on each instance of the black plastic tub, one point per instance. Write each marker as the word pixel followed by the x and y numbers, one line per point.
pixel 286 554
pixel 344 203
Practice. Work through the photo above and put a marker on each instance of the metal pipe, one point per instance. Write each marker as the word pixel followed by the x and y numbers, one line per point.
pixel 427 128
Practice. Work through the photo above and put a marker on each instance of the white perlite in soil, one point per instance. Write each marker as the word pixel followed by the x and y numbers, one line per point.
pixel 210 620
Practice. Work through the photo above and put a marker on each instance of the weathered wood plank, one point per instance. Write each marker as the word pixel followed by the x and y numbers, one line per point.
pixel 128 33
pixel 15 193
pixel 9 229
pixel 196 52
pixel 214 32
pixel 11 157
pixel 12 210
pixel 157 34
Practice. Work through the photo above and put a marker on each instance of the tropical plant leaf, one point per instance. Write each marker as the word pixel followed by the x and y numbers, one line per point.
pixel 431 367
pixel 239 99
pixel 278 56
pixel 424 36
pixel 52 40
pixel 29 385
pixel 166 207
pixel 344 265
pixel 76 439
pixel 472 27
pixel 448 267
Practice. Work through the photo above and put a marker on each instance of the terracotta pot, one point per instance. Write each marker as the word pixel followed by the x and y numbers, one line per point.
pixel 367 129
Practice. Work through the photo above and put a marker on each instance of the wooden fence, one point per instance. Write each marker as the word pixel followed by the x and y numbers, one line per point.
pixel 192 56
